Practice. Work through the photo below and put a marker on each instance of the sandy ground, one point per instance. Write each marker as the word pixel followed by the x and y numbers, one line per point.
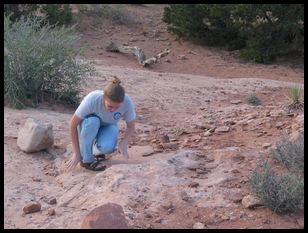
pixel 172 98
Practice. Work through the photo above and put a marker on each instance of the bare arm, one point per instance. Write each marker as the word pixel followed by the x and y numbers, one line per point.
pixel 130 130
pixel 76 158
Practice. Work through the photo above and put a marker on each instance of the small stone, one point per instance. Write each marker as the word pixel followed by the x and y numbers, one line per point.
pixel 192 167
pixel 147 151
pixel 198 225
pixel 141 118
pixel 184 196
pixel 222 129
pixel 266 145
pixel 279 125
pixel 200 171
pixel 212 130
pixel 259 134
pixel 51 211
pixel 235 101
pixel 225 217
pixel 204 125
pixel 235 171
pixel 32 207
pixel 196 138
pixel 267 113
pixel 235 197
pixel 250 202
pixel 193 184
pixel 170 210
pixel 165 138
pixel 266 221
pixel 36 179
pixel 155 140
pixel 167 205
pixel 207 134
pixel 148 215
pixel 170 145
pixel 182 57
pixel 52 201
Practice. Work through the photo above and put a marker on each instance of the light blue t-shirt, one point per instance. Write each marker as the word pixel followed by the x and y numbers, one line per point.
pixel 93 104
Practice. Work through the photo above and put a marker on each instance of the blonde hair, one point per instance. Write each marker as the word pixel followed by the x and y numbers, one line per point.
pixel 114 91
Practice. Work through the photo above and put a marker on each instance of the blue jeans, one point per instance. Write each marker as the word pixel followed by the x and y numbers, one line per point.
pixel 90 130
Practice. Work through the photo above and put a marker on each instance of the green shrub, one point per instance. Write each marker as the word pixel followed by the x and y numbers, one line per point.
pixel 17 10
pixel 54 14
pixel 253 99
pixel 262 32
pixel 116 13
pixel 58 14
pixel 282 194
pixel 295 97
pixel 204 23
pixel 290 154
pixel 40 63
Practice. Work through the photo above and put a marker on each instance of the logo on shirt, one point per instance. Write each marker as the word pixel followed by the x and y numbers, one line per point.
pixel 117 116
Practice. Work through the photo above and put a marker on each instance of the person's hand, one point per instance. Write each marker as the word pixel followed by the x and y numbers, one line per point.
pixel 123 150
pixel 72 163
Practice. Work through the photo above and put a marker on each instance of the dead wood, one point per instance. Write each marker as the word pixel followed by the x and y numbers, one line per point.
pixel 112 47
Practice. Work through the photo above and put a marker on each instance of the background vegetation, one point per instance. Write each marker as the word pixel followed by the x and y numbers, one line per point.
pixel 262 32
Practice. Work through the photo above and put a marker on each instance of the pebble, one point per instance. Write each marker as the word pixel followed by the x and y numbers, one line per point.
pixel 32 207
pixel 51 211
pixel 193 184
pixel 266 145
pixel 198 225
pixel 52 201
pixel 165 138
pixel 235 101
pixel 222 129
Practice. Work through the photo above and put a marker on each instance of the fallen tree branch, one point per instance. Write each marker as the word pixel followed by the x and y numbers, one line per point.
pixel 156 58
pixel 112 47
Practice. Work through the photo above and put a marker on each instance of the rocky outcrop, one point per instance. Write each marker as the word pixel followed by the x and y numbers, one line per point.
pixel 34 137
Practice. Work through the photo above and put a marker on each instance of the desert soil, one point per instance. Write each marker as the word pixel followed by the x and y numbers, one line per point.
pixel 195 177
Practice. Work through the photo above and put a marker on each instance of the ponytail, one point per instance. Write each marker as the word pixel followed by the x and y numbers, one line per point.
pixel 114 91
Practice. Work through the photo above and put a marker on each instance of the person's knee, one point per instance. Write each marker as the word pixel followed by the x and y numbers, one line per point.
pixel 114 130
pixel 89 126
pixel 107 139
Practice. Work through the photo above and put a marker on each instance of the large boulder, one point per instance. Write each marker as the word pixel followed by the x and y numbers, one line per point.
pixel 108 216
pixel 34 137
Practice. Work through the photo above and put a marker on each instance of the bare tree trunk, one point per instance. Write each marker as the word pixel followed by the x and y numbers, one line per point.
pixel 112 47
